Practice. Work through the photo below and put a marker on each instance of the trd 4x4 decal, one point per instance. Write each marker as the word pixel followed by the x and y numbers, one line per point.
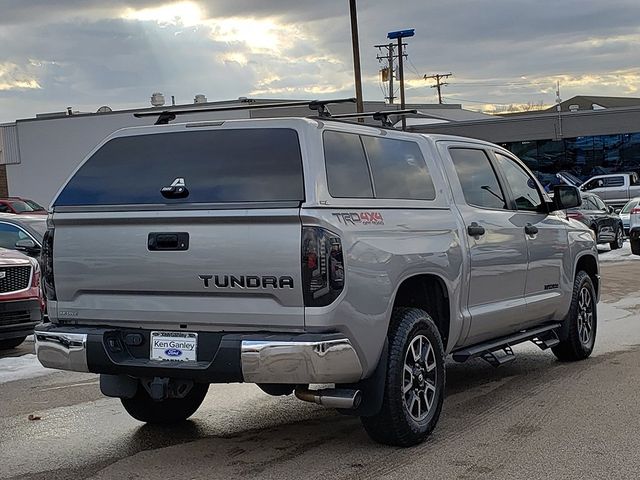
pixel 360 218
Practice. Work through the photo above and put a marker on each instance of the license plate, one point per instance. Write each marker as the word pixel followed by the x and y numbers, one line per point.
pixel 176 346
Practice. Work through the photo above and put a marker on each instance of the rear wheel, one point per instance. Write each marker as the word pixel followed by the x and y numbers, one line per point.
pixel 414 389
pixel 582 322
pixel 11 343
pixel 635 246
pixel 618 240
pixel 171 410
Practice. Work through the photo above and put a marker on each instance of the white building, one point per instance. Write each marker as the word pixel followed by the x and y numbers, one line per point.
pixel 40 153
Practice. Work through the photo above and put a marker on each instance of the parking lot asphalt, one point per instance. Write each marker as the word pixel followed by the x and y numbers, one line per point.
pixel 535 418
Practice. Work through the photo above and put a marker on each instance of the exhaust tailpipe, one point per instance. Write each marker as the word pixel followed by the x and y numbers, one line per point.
pixel 331 397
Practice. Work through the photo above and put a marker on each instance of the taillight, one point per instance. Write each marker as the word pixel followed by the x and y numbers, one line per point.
pixel 48 283
pixel 635 210
pixel 322 266
pixel 575 215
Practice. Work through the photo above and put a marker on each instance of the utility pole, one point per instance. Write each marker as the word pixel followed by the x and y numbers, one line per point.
pixel 439 83
pixel 389 57
pixel 401 68
pixel 399 35
pixel 356 55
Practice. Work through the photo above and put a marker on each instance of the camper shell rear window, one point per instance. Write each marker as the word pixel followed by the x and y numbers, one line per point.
pixel 217 166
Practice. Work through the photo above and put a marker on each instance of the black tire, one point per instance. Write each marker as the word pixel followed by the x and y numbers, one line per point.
pixel 618 240
pixel 172 410
pixel 396 423
pixel 635 246
pixel 11 343
pixel 581 329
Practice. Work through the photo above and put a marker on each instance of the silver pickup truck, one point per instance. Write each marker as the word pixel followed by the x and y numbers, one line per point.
pixel 299 252
pixel 614 189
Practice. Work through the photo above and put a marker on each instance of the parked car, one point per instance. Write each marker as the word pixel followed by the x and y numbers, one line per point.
pixel 614 189
pixel 634 230
pixel 21 299
pixel 603 220
pixel 625 213
pixel 21 206
pixel 294 252
pixel 33 204
pixel 23 233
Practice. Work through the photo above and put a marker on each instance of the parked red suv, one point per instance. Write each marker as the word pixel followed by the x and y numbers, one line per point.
pixel 21 300
pixel 19 205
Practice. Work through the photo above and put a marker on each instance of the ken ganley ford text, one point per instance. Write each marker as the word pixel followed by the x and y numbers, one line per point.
pixel 173 344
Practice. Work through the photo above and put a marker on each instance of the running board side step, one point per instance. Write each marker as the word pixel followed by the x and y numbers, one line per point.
pixel 498 351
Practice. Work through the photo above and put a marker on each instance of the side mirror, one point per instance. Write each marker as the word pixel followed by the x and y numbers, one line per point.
pixel 27 246
pixel 617 211
pixel 565 197
pixel 611 210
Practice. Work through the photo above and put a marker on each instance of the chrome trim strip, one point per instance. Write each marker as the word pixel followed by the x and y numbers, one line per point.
pixel 330 361
pixel 64 351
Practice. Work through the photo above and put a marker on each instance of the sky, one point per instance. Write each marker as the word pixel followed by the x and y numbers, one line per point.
pixel 503 54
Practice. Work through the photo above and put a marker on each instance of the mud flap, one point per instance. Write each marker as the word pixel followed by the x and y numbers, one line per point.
pixel 372 388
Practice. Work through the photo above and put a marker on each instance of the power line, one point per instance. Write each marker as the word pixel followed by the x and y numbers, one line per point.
pixel 438 77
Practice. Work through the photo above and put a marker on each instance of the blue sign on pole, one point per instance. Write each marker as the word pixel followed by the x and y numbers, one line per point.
pixel 401 34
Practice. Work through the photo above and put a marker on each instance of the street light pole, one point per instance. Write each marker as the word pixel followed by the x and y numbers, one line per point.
pixel 401 68
pixel 356 55
pixel 400 35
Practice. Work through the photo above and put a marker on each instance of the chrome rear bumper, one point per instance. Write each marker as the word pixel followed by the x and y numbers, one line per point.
pixel 64 351
pixel 330 361
pixel 293 359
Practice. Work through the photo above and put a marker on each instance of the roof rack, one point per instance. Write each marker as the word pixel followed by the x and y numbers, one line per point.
pixel 382 116
pixel 320 106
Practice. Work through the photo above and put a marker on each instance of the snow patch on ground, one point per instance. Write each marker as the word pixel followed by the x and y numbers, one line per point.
pixel 620 255
pixel 18 368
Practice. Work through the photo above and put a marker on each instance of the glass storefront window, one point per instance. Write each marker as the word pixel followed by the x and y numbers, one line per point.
pixel 582 156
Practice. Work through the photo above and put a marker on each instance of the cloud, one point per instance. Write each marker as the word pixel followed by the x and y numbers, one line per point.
pixel 15 77
pixel 87 53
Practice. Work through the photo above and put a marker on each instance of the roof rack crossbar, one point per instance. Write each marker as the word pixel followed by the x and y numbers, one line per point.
pixel 382 116
pixel 320 106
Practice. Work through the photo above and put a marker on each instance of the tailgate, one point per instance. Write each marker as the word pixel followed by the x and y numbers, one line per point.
pixel 240 270
pixel 184 227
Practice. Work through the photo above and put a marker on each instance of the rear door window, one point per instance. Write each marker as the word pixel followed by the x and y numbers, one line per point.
pixel 614 182
pixel 347 170
pixel 218 166
pixel 399 170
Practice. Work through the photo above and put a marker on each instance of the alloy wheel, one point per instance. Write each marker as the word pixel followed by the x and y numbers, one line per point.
pixel 585 315
pixel 419 378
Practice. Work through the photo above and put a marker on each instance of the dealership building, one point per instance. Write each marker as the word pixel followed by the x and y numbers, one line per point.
pixel 585 135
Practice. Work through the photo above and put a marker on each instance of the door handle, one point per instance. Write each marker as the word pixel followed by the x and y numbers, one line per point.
pixel 530 229
pixel 475 230
pixel 168 241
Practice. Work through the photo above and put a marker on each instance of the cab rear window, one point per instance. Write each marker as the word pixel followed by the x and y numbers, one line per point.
pixel 215 166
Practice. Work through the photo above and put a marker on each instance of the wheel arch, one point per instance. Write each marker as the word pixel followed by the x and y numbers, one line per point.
pixel 428 292
pixel 589 264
